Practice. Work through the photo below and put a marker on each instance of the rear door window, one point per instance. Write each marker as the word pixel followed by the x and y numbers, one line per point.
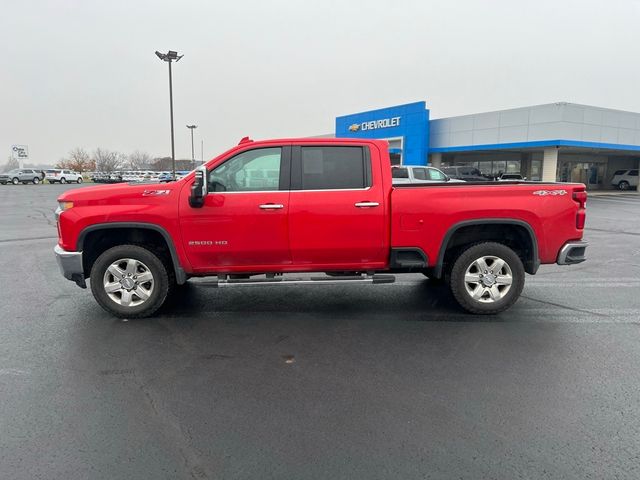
pixel 633 173
pixel 333 168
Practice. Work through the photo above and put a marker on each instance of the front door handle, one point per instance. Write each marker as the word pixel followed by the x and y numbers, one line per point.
pixel 271 206
pixel 367 204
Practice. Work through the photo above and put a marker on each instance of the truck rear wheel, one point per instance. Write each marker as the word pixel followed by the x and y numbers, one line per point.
pixel 487 278
pixel 130 281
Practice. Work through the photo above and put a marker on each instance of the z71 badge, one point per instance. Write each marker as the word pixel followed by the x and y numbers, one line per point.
pixel 151 193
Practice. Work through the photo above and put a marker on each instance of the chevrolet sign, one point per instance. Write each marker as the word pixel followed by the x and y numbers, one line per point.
pixel 375 124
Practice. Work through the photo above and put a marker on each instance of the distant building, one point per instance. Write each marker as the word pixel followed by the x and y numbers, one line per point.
pixel 558 141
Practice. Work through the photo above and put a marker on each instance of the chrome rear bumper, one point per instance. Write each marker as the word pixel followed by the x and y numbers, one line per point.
pixel 572 253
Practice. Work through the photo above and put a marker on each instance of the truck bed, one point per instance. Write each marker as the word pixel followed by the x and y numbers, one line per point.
pixel 423 215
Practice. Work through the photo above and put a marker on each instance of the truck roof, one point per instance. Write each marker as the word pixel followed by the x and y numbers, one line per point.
pixel 315 140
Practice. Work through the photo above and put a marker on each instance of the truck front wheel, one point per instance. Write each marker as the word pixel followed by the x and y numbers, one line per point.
pixel 130 281
pixel 487 278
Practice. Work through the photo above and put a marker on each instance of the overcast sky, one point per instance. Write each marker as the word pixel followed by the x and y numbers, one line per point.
pixel 84 73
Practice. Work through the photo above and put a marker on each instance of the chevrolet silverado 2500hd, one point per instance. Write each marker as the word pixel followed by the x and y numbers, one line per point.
pixel 265 210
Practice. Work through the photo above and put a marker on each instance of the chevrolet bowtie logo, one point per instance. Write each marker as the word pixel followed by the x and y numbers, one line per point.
pixel 354 128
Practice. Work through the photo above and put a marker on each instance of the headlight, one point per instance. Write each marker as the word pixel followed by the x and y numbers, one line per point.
pixel 65 205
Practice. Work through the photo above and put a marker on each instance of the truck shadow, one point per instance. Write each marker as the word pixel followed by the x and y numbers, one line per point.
pixel 423 300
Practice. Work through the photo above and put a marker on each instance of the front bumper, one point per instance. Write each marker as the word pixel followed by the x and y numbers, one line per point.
pixel 572 253
pixel 70 264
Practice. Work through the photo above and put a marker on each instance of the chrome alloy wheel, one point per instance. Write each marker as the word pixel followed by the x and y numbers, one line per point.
pixel 128 282
pixel 488 279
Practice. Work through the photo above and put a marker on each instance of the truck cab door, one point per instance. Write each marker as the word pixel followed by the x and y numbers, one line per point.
pixel 243 224
pixel 337 216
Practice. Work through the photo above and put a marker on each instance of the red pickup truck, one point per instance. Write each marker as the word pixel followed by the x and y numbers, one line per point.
pixel 265 210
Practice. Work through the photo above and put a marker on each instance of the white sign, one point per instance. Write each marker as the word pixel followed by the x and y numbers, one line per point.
pixel 20 153
pixel 376 124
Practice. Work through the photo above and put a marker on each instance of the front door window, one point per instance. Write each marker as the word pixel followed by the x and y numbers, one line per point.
pixel 251 171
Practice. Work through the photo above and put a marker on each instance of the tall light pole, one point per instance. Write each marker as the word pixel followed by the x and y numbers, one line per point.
pixel 170 57
pixel 193 158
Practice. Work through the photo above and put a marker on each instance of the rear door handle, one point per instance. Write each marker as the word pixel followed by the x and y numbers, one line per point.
pixel 271 206
pixel 367 204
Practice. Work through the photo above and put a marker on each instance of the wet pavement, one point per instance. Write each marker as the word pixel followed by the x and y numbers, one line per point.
pixel 372 382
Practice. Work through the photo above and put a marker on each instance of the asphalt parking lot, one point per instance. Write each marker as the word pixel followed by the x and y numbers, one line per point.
pixel 372 382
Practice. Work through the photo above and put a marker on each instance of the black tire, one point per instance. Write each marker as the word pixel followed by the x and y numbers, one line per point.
pixel 63 180
pixel 15 180
pixel 36 180
pixel 162 277
pixel 485 305
pixel 79 180
pixel 623 185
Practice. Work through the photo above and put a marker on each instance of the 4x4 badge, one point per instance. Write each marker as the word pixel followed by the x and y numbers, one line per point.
pixel 543 193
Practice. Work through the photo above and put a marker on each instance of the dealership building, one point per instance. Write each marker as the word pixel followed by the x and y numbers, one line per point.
pixel 554 142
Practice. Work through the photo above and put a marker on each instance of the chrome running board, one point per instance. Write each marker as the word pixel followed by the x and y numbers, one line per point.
pixel 225 281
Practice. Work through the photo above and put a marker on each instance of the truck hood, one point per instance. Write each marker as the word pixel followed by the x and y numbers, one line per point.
pixel 120 193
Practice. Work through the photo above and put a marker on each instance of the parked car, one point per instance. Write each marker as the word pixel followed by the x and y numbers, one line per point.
pixel 466 173
pixel 164 177
pixel 107 177
pixel 332 209
pixel 510 177
pixel 115 177
pixel 129 176
pixel 167 176
pixel 415 174
pixel 625 179
pixel 59 175
pixel 21 175
pixel 98 177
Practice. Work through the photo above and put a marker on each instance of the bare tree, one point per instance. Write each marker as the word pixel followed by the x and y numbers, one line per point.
pixel 11 164
pixel 138 160
pixel 165 164
pixel 78 160
pixel 107 160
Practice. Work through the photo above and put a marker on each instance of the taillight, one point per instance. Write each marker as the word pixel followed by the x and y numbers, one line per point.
pixel 580 197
